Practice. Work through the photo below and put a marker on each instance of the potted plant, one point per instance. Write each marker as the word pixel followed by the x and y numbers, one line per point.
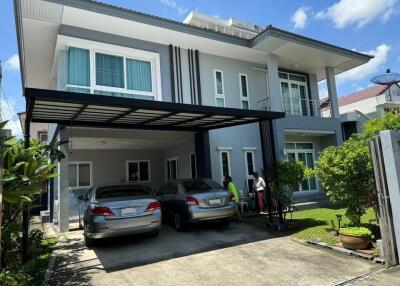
pixel 355 238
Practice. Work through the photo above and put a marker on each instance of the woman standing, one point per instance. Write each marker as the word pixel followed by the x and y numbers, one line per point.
pixel 258 189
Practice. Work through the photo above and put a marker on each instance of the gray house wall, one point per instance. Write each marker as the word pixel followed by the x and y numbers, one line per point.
pixel 182 152
pixel 109 166
pixel 257 83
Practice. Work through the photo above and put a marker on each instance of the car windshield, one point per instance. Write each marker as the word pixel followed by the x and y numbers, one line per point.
pixel 110 192
pixel 201 186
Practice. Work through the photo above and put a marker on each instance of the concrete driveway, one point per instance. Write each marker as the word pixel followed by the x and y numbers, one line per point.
pixel 204 255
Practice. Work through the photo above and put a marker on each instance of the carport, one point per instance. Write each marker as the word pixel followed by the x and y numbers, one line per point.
pixel 111 112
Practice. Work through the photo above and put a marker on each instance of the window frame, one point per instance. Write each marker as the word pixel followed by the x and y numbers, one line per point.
pixel 139 181
pixel 289 82
pixel 195 164
pixel 42 133
pixel 249 176
pixel 125 89
pixel 296 151
pixel 167 160
pixel 242 98
pixel 77 172
pixel 227 151
pixel 125 53
pixel 219 95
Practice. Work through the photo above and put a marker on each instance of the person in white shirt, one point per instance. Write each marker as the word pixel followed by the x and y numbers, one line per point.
pixel 258 189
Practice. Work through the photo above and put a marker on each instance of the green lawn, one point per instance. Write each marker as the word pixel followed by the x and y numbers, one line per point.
pixel 316 223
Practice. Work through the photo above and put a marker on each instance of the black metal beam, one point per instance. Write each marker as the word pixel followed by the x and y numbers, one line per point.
pixel 79 111
pixel 109 101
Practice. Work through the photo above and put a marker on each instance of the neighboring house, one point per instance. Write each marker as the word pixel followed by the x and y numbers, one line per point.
pixel 37 130
pixel 148 100
pixel 357 108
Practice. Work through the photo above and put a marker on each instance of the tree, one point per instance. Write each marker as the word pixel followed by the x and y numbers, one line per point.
pixel 285 180
pixel 346 175
pixel 25 172
pixel 391 121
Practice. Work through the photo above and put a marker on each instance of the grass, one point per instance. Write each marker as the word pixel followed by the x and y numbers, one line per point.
pixel 316 224
pixel 42 261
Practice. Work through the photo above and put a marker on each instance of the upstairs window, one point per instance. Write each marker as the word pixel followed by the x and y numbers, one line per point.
pixel 78 70
pixel 219 88
pixel 136 75
pixel 110 71
pixel 244 91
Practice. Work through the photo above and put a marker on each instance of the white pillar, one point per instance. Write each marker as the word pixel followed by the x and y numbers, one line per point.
pixel 273 83
pixel 63 186
pixel 331 83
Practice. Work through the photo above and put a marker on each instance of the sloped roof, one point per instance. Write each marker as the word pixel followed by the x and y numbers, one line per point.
pixel 362 94
pixel 373 91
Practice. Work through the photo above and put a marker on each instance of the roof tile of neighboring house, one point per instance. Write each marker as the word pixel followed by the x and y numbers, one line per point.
pixel 362 94
pixel 358 96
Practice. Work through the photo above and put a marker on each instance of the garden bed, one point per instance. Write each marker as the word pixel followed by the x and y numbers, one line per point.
pixel 315 226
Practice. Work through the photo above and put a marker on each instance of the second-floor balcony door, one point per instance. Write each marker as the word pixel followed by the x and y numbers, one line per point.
pixel 294 98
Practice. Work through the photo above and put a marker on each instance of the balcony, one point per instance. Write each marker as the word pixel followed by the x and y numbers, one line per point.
pixel 298 107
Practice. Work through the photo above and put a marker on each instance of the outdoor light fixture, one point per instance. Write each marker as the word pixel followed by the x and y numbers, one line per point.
pixel 339 218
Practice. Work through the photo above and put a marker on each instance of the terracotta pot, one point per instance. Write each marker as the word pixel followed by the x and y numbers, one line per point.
pixel 354 242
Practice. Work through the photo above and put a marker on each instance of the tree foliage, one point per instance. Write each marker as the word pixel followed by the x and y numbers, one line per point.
pixel 286 179
pixel 346 175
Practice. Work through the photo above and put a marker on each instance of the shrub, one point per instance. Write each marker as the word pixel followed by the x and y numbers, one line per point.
pixel 286 179
pixel 346 175
pixel 15 277
pixel 356 231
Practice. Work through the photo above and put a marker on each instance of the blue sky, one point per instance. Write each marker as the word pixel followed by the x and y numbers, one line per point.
pixel 368 26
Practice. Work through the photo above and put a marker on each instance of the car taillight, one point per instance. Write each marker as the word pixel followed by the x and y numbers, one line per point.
pixel 153 206
pixel 192 201
pixel 101 211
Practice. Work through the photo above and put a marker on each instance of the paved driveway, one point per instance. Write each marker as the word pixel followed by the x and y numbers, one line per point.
pixel 204 255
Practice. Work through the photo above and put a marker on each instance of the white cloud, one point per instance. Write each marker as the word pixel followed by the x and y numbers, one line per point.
pixel 381 55
pixel 12 63
pixel 300 18
pixel 172 4
pixel 357 12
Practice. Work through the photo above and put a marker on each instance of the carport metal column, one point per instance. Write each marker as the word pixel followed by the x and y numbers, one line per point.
pixel 25 213
pixel 269 161
pixel 202 151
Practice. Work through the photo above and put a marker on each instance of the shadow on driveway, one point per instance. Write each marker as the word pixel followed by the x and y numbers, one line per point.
pixel 75 264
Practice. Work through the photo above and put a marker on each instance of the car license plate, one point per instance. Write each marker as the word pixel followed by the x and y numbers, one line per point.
pixel 214 202
pixel 128 211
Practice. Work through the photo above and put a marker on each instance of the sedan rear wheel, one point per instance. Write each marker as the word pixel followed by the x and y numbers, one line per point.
pixel 89 242
pixel 178 222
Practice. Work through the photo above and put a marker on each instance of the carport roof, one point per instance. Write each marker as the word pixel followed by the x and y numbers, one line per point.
pixel 92 110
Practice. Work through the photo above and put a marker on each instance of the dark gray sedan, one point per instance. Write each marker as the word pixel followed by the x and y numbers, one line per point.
pixel 193 200
pixel 118 210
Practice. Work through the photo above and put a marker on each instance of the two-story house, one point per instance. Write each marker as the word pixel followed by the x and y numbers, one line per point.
pixel 357 108
pixel 145 99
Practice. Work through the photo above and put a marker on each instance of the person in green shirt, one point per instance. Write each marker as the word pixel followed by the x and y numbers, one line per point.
pixel 232 188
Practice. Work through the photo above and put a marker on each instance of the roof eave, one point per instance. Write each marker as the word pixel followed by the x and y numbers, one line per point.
pixel 271 31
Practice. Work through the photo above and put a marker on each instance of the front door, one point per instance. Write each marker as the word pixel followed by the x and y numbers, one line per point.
pixel 308 158
pixel 172 169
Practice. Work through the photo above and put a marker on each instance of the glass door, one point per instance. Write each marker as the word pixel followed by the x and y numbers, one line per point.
pixel 308 159
pixel 172 173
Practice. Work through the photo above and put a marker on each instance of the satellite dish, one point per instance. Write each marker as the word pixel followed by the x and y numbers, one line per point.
pixel 388 79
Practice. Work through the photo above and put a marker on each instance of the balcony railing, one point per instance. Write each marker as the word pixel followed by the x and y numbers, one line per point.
pixel 298 106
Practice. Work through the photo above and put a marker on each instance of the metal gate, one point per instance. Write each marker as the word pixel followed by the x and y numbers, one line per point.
pixel 385 153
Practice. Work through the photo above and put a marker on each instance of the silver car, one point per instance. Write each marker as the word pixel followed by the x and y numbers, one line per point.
pixel 118 210
pixel 192 200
